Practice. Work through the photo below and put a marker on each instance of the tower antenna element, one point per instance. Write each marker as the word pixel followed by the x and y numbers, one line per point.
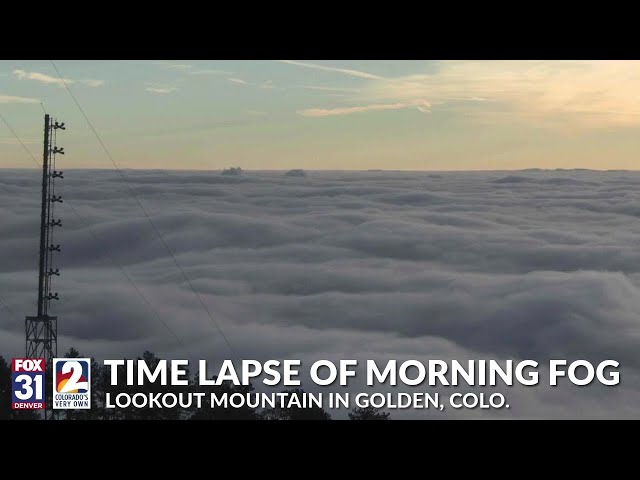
pixel 42 329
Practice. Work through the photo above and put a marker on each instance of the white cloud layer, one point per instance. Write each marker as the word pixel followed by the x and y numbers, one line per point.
pixel 327 68
pixel 92 82
pixel 175 66
pixel 14 99
pixel 160 90
pixel 41 77
pixel 421 105
pixel 371 265
pixel 50 80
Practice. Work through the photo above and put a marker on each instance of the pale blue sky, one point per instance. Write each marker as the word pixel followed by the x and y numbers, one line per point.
pixel 415 115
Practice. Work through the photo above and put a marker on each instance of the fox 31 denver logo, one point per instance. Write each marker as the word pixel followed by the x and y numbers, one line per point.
pixel 27 383
pixel 71 383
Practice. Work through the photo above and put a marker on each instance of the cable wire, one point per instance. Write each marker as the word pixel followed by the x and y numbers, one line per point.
pixel 18 138
pixel 84 223
pixel 144 211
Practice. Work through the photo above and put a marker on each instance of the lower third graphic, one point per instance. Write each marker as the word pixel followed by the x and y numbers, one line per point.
pixel 71 383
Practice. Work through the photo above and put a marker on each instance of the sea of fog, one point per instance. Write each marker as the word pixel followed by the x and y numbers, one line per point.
pixel 365 265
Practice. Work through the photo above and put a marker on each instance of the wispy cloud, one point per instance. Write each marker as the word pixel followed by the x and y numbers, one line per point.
pixel 93 82
pixel 175 66
pixel 267 85
pixel 13 99
pixel 160 90
pixel 421 105
pixel 209 71
pixel 50 80
pixel 326 68
pixel 330 89
pixel 568 94
pixel 565 94
pixel 41 77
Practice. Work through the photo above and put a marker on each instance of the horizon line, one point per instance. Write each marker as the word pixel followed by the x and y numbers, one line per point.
pixel 370 170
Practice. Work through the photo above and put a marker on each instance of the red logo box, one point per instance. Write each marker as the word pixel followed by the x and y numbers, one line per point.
pixel 27 365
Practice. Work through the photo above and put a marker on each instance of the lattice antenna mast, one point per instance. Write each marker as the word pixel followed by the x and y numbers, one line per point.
pixel 42 330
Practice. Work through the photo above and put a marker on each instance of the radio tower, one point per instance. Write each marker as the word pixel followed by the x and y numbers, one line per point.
pixel 42 330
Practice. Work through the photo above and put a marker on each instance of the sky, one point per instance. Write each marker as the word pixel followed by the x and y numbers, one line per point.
pixel 328 115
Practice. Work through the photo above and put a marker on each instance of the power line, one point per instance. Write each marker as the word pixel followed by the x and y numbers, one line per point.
pixel 18 138
pixel 84 223
pixel 144 211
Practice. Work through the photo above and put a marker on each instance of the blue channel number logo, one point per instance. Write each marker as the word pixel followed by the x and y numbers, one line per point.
pixel 28 386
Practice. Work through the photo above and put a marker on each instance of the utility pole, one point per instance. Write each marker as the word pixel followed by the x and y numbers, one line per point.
pixel 42 330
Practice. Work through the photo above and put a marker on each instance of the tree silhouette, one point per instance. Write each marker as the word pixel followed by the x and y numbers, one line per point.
pixel 5 390
pixel 368 413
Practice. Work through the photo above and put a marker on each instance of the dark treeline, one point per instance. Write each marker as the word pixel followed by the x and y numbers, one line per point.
pixel 100 383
